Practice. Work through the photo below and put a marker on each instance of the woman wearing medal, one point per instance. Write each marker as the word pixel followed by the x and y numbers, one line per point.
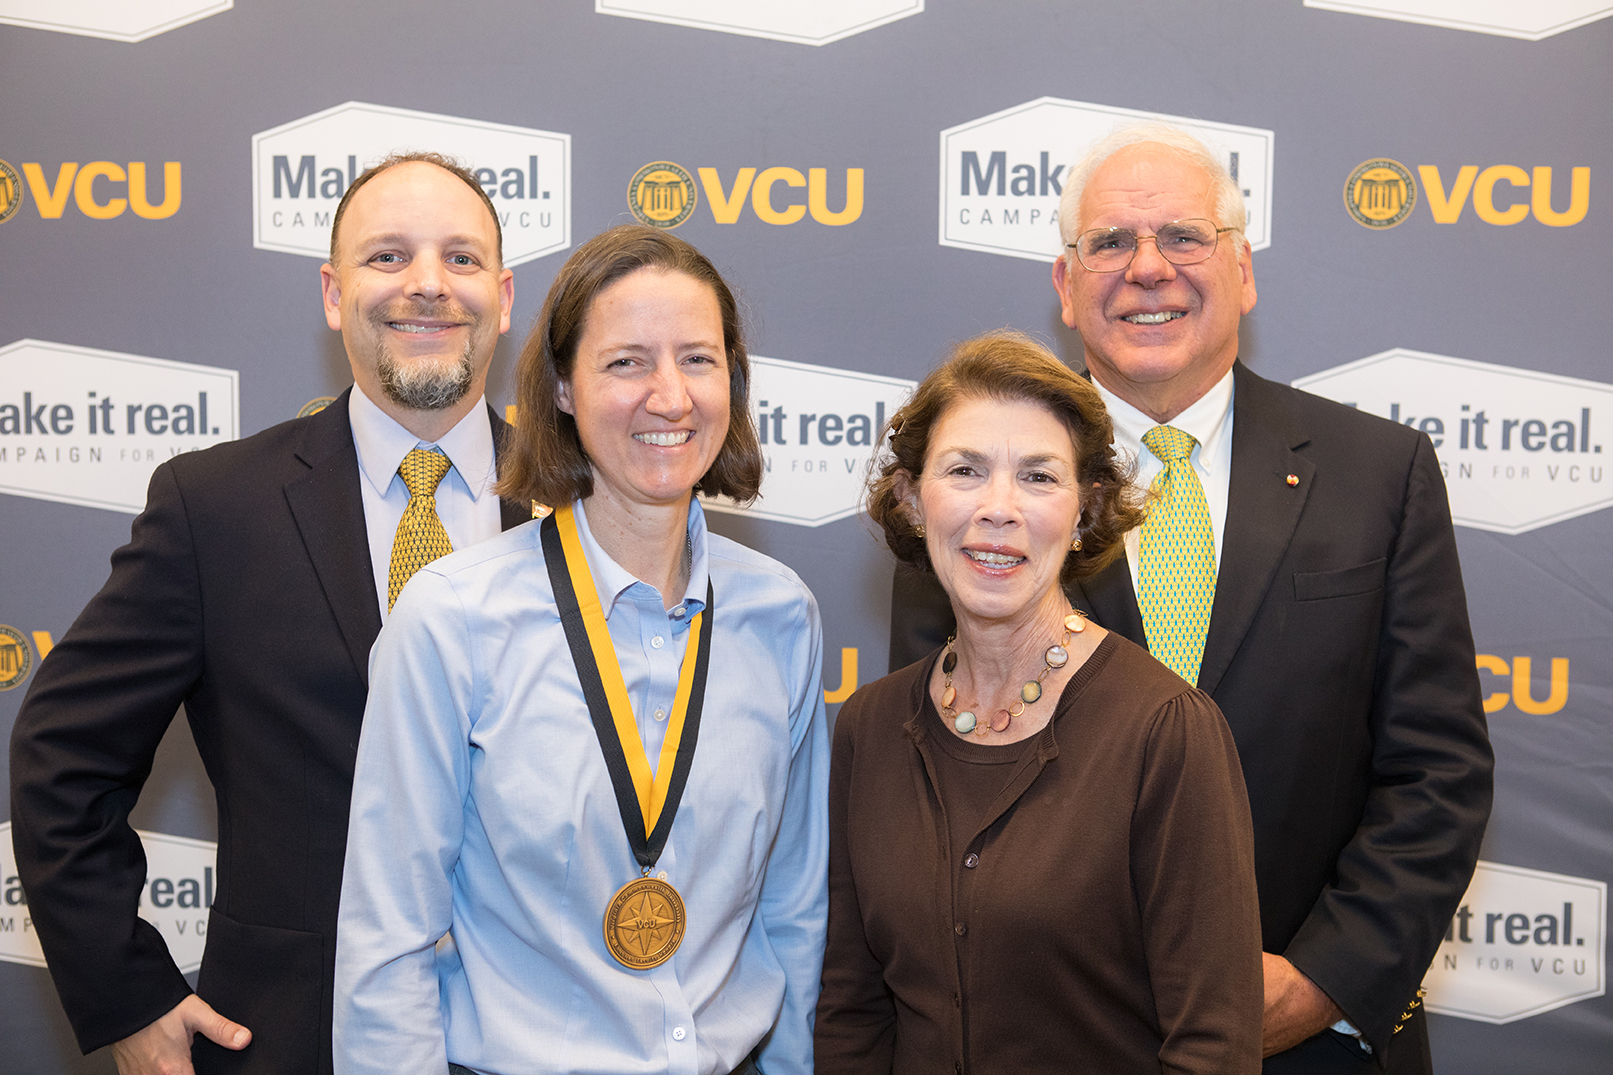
pixel 1040 849
pixel 588 825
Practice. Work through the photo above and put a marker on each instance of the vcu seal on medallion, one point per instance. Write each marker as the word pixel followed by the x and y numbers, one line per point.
pixel 662 194
pixel 315 405
pixel 15 658
pixel 644 923
pixel 10 192
pixel 1380 193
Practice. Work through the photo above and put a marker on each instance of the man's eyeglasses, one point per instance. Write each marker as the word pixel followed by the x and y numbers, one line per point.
pixel 1181 242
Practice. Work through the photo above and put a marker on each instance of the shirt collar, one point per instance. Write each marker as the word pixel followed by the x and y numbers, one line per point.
pixel 382 443
pixel 1203 419
pixel 612 579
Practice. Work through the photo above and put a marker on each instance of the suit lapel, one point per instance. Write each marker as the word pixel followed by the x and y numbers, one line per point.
pixel 1109 599
pixel 1262 511
pixel 329 511
pixel 510 513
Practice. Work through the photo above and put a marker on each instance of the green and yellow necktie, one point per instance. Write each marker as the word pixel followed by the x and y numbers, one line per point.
pixel 1176 567
pixel 420 538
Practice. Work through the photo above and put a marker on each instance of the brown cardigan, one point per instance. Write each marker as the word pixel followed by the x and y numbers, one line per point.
pixel 1109 912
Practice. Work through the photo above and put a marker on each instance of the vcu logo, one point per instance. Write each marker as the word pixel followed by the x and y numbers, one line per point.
pixel 661 194
pixel 10 192
pixel 16 659
pixel 98 202
pixel 1447 208
pixel 1522 695
pixel 726 207
pixel 1381 193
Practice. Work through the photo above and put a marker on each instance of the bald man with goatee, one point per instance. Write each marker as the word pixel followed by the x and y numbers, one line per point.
pixel 250 592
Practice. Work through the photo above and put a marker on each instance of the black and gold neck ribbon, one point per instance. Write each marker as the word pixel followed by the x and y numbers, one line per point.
pixel 648 804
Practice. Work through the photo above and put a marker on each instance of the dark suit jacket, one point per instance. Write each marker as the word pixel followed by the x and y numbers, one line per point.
pixel 1340 651
pixel 245 594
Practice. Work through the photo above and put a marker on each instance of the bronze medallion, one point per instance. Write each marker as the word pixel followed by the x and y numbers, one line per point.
pixel 644 923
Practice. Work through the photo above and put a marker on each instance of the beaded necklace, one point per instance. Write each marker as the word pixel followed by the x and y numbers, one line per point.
pixel 1056 656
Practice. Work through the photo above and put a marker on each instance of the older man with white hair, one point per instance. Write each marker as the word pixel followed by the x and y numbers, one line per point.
pixel 1300 567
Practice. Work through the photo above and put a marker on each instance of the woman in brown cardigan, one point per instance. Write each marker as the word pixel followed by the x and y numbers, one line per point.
pixel 1040 850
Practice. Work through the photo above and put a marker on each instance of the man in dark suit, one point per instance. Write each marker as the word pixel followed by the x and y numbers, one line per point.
pixel 250 592
pixel 1337 641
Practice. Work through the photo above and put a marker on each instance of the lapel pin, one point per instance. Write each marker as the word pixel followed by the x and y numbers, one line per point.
pixel 1293 479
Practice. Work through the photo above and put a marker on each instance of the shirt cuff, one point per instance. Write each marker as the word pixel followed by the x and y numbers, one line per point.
pixel 1344 1026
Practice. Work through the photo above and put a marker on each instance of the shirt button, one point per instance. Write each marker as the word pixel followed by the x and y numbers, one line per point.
pixel 657 642
pixel 660 714
pixel 971 860
pixel 678 1033
pixel 661 875
pixel 679 612
pixel 960 929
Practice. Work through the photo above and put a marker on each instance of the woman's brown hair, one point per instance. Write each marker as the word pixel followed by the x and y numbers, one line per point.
pixel 545 462
pixel 1008 366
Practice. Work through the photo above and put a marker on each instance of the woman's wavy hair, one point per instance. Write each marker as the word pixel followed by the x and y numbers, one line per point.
pixel 1011 367
pixel 545 462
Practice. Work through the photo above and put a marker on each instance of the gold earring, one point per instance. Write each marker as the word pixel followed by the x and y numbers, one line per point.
pixel 918 530
pixel 1075 545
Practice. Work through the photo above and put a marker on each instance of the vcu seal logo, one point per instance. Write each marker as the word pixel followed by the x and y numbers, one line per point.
pixel 1380 193
pixel 315 405
pixel 662 194
pixel 10 192
pixel 15 657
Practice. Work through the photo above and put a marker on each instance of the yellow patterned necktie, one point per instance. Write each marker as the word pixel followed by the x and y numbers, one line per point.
pixel 421 538
pixel 1176 569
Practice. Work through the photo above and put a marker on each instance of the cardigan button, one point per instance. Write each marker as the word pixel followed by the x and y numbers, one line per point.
pixel 960 929
pixel 971 860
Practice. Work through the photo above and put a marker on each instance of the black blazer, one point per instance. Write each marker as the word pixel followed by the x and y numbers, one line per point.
pixel 245 594
pixel 1340 651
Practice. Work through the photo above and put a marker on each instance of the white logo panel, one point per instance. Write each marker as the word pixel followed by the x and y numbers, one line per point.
pixel 805 22
pixel 175 898
pixel 1531 20
pixel 1520 449
pixel 1002 174
pixel 818 427
pixel 301 169
pixel 1521 943
pixel 81 426
pixel 115 20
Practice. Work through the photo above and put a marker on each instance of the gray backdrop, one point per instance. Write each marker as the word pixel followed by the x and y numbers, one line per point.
pixel 879 295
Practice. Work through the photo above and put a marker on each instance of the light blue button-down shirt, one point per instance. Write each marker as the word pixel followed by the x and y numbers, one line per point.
pixel 482 805
pixel 465 502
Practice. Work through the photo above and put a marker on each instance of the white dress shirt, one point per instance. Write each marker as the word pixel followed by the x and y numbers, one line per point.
pixel 465 501
pixel 1209 421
